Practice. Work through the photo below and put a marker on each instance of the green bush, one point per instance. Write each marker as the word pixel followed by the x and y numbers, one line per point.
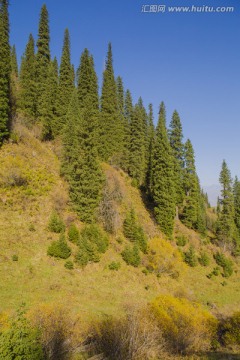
pixel 73 234
pixel 131 255
pixel 190 257
pixel 204 259
pixel 56 224
pixel 59 248
pixel 82 257
pixel 94 235
pixel 229 330
pixel 225 263
pixel 69 265
pixel 15 257
pixel 19 341
pixel 114 265
pixel 181 240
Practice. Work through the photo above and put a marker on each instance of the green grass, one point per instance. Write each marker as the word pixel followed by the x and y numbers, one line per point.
pixel 36 278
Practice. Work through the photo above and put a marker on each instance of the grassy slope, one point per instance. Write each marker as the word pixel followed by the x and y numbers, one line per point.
pixel 36 278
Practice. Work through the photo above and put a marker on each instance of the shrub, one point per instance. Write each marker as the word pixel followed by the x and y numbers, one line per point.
pixel 69 265
pixel 114 265
pixel 181 240
pixel 20 341
pixel 133 337
pixel 15 257
pixel 229 330
pixel 185 325
pixel 73 234
pixel 163 258
pixel 82 257
pixel 204 259
pixel 32 228
pixel 190 257
pixel 59 248
pixel 56 224
pixel 94 235
pixel 225 263
pixel 131 255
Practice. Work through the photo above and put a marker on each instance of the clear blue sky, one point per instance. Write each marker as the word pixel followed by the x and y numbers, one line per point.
pixel 191 61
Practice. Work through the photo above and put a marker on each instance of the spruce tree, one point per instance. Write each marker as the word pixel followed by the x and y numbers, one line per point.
pixel 120 94
pixel 80 164
pixel 128 114
pixel 27 92
pixel 226 230
pixel 236 193
pixel 5 72
pixel 189 215
pixel 111 126
pixel 42 58
pixel 66 83
pixel 175 138
pixel 14 80
pixel 150 132
pixel 163 192
pixel 137 148
pixel 87 89
pixel 49 102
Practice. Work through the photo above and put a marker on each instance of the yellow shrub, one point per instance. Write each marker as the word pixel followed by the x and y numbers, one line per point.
pixel 162 258
pixel 186 326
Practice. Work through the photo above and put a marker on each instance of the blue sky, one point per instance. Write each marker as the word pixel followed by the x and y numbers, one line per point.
pixel 191 61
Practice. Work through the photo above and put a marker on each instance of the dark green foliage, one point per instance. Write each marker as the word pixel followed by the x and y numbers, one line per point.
pixel 149 152
pixel 93 242
pixel 131 255
pixel 175 138
pixel 181 240
pixel 15 257
pixel 73 234
pixel 226 229
pixel 80 164
pixel 229 330
pixel 42 60
pixel 14 81
pixel 27 92
pixel 59 249
pixel 56 224
pixel 5 72
pixel 134 232
pixel 69 265
pixel 236 194
pixel 162 187
pixel 14 64
pixel 225 263
pixel 20 341
pixel 49 102
pixel 111 125
pixel 190 257
pixel 204 259
pixel 66 84
pixel 138 145
pixel 114 265
pixel 194 212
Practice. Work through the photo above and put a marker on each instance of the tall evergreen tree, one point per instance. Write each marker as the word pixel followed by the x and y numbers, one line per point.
pixel 14 80
pixel 226 230
pixel 137 159
pixel 128 114
pixel 80 164
pixel 42 58
pixel 163 192
pixel 151 132
pixel 236 193
pixel 87 89
pixel 49 102
pixel 120 94
pixel 5 72
pixel 175 138
pixel 111 126
pixel 27 93
pixel 66 82
pixel 189 214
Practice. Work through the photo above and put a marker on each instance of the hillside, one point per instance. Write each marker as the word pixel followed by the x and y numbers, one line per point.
pixel 30 189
